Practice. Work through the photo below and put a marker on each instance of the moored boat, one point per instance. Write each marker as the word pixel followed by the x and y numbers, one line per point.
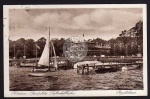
pixel 45 60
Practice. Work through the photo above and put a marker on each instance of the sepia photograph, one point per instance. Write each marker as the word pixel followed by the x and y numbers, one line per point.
pixel 75 50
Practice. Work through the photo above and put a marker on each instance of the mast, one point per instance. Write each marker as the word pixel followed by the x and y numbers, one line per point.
pixel 49 48
pixel 36 55
pixel 14 51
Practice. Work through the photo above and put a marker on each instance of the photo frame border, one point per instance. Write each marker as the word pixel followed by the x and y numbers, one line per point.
pixel 89 93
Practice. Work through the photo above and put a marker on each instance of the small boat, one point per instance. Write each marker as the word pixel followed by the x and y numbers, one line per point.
pixel 45 61
pixel 47 74
pixel 34 74
pixel 27 64
pixel 39 70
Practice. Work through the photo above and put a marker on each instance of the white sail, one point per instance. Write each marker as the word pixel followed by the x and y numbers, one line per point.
pixel 55 60
pixel 44 60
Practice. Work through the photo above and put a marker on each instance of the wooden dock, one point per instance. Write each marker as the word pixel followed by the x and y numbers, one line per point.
pixel 97 66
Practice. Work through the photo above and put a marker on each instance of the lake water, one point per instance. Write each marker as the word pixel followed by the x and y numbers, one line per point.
pixel 70 80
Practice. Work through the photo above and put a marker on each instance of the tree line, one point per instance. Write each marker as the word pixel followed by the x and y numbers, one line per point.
pixel 28 47
pixel 128 42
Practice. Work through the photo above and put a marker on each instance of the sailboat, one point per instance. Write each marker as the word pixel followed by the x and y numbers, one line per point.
pixel 45 60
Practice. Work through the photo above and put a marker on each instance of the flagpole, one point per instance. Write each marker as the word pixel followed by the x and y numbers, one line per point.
pixel 36 55
pixel 14 51
pixel 49 47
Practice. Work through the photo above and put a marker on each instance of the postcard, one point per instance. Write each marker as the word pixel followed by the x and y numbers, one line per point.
pixel 75 50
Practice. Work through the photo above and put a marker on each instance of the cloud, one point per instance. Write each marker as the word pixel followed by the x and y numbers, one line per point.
pixel 94 23
pixel 82 21
pixel 19 18
pixel 124 19
pixel 47 19
pixel 120 19
pixel 101 17
pixel 96 19
pixel 65 16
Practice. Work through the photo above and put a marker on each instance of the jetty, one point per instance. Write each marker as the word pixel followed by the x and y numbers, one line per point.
pixel 98 65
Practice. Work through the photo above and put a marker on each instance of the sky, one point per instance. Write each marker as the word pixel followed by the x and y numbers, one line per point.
pixel 105 23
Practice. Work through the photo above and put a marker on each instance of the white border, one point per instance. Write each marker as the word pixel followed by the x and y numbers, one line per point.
pixel 8 93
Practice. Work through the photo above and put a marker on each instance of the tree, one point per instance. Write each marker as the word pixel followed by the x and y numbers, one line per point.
pixel 12 49
pixel 139 35
pixel 30 48
pixel 59 46
pixel 133 35
pixel 113 46
pixel 19 47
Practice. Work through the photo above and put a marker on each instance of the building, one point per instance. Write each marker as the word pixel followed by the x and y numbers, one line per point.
pixel 93 48
pixel 97 49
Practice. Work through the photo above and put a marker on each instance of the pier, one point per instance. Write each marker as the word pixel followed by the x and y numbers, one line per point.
pixel 97 66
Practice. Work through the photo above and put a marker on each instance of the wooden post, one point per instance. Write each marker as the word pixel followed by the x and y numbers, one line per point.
pixel 14 52
pixel 87 69
pixel 72 65
pixel 77 69
pixel 82 70
pixel 55 69
pixel 94 66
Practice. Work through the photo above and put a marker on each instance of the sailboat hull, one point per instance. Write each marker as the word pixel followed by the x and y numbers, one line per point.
pixel 52 69
pixel 47 74
pixel 40 70
pixel 36 74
